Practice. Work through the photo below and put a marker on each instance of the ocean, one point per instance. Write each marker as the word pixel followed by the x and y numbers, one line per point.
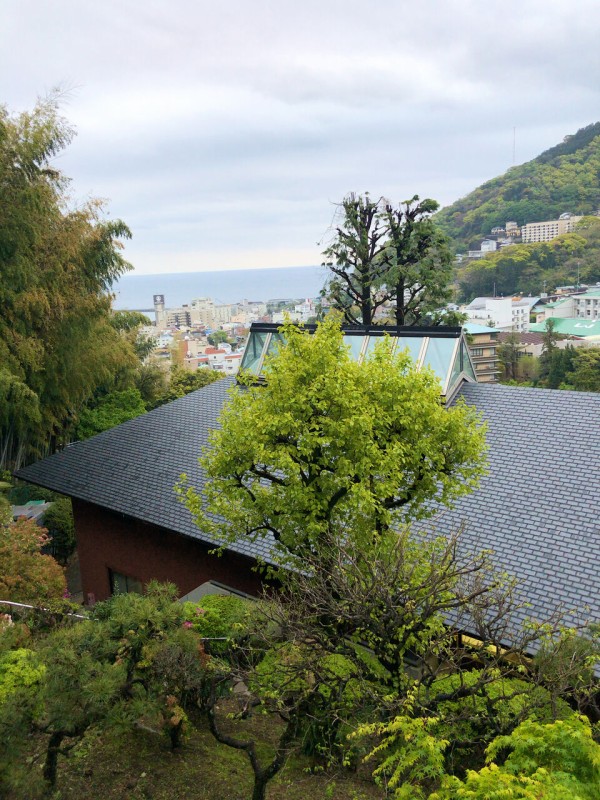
pixel 227 286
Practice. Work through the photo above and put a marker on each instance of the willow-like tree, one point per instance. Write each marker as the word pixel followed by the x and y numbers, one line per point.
pixel 57 265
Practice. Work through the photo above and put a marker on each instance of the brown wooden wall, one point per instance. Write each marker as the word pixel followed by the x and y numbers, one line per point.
pixel 109 541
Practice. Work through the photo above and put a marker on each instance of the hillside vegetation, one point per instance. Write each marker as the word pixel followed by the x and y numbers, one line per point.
pixel 564 178
pixel 534 268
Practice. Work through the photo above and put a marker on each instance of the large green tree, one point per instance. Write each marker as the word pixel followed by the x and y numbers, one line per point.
pixel 329 448
pixel 356 259
pixel 57 265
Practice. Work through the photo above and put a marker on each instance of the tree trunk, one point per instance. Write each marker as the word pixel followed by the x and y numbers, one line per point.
pixel 51 763
pixel 400 302
pixel 260 786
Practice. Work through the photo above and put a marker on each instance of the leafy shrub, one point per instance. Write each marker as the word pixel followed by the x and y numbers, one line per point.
pixel 22 493
pixel 218 615
pixel 559 761
pixel 20 671
pixel 58 520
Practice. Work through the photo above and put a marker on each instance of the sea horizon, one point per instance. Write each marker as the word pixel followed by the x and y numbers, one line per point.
pixel 224 286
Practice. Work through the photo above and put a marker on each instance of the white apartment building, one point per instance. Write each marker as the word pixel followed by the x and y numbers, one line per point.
pixel 491 310
pixel 545 231
pixel 587 305
pixel 504 313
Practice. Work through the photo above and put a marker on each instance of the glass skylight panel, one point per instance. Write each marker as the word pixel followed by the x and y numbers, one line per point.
pixel 412 344
pixel 438 356
pixel 371 344
pixel 457 368
pixel 445 355
pixel 252 355
pixel 467 364
pixel 356 345
pixel 273 346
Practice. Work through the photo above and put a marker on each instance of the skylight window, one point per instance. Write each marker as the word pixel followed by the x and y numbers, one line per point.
pixel 442 349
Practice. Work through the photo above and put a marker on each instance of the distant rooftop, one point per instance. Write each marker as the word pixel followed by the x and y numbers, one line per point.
pixel 473 327
pixel 570 326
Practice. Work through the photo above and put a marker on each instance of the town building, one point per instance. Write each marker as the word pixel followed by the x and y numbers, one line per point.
pixel 503 313
pixel 483 346
pixel 588 329
pixel 549 229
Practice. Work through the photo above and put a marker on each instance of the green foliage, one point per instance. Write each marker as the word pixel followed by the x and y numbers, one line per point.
pixel 564 178
pixel 483 706
pixel 420 264
pixel 184 381
pixel 60 525
pixel 56 266
pixel 218 615
pixel 110 410
pixel 151 382
pixel 567 665
pixel 583 370
pixel 134 662
pixel 528 268
pixel 20 671
pixel 21 493
pixel 381 254
pixel 295 458
pixel 5 511
pixel 557 761
pixel 216 337
pixel 413 754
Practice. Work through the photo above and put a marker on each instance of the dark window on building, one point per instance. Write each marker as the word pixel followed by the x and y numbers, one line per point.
pixel 122 584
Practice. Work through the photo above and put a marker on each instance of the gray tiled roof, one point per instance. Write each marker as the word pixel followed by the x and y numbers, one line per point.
pixel 538 509
pixel 133 468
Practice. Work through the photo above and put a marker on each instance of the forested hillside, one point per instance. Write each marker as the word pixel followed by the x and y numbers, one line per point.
pixel 563 178
pixel 534 268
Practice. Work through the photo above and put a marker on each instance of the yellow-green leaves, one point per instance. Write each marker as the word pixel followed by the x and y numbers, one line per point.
pixel 330 448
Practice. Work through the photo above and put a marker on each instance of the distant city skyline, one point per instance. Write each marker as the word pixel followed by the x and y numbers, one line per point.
pixel 224 136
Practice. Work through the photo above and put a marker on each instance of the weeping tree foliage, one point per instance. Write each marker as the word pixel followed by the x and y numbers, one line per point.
pixel 57 265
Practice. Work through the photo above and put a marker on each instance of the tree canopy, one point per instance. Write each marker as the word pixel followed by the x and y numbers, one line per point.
pixel 57 265
pixel 386 258
pixel 328 448
pixel 26 575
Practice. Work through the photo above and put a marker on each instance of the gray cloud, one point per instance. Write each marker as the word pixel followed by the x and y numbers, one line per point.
pixel 226 134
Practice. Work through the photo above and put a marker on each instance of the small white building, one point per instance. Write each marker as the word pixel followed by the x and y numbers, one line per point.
pixel 504 313
pixel 496 311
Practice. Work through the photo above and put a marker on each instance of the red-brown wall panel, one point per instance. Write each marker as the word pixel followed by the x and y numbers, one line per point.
pixel 110 541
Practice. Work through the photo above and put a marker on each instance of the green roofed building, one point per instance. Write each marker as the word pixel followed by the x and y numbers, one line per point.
pixel 570 326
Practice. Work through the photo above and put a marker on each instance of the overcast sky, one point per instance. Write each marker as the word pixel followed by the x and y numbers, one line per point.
pixel 224 133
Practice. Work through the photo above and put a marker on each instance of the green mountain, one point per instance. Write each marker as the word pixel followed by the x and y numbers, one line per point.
pixel 563 178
